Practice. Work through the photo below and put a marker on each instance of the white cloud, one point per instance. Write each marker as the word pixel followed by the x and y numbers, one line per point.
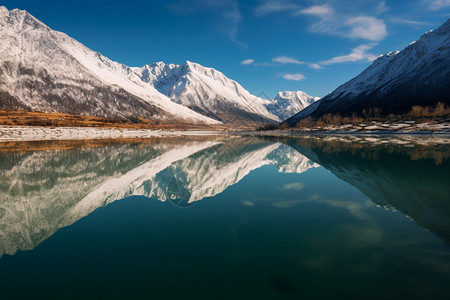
pixel 247 62
pixel 328 21
pixel 369 28
pixel 315 66
pixel 274 6
pixel 318 10
pixel 286 60
pixel 358 54
pixel 437 4
pixel 294 77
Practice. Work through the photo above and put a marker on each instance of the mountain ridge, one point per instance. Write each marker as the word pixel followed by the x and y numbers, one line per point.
pixel 46 70
pixel 396 81
pixel 42 69
pixel 207 91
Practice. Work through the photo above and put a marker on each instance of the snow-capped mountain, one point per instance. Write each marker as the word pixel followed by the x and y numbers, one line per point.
pixel 396 81
pixel 207 91
pixel 288 103
pixel 42 69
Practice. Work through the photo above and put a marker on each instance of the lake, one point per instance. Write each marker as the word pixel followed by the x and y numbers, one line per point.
pixel 226 217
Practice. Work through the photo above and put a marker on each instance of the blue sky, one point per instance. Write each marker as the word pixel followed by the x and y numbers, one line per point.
pixel 267 46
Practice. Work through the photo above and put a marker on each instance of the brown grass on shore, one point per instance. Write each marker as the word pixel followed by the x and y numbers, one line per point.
pixel 27 118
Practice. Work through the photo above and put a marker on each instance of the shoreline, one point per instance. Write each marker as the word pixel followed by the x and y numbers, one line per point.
pixel 31 138
pixel 46 133
pixel 43 133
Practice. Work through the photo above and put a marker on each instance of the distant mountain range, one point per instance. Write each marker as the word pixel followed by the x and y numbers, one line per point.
pixel 45 70
pixel 396 81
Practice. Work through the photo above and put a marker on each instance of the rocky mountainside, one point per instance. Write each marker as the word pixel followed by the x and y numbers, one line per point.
pixel 396 81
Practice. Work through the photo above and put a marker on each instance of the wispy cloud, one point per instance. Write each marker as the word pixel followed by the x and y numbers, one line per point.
pixel 287 60
pixel 233 16
pixel 382 8
pixel 315 66
pixel 318 10
pixel 437 4
pixel 368 28
pixel 247 62
pixel 226 12
pixel 268 7
pixel 359 53
pixel 294 77
pixel 404 21
pixel 328 21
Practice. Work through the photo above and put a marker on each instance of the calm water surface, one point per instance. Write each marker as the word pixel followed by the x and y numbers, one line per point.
pixel 227 218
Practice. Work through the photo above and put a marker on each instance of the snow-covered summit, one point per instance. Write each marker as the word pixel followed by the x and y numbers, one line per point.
pixel 394 82
pixel 207 91
pixel 398 65
pixel 288 103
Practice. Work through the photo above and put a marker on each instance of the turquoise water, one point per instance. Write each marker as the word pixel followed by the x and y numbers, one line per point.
pixel 227 218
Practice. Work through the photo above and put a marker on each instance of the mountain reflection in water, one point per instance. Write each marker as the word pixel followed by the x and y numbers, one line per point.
pixel 43 191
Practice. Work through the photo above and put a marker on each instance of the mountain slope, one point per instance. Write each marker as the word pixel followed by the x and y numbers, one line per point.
pixel 396 81
pixel 42 69
pixel 207 91
pixel 288 103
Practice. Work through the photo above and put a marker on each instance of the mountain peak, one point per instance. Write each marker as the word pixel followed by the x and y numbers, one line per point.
pixel 156 64
pixel 284 94
pixel 3 10
pixel 18 16
pixel 19 13
pixel 194 66
pixel 288 103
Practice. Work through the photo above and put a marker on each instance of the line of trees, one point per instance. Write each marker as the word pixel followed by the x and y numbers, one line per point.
pixel 417 113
